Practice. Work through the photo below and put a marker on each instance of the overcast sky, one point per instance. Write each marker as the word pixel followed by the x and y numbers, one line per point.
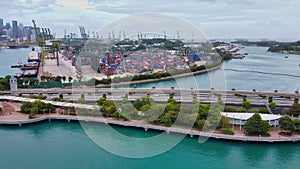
pixel 254 19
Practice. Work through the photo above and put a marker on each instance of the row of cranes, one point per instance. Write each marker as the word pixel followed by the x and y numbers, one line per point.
pixel 41 39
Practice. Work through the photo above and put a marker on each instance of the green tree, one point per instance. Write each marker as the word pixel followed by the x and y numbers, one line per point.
pixel 145 107
pixel 25 108
pixel 203 111
pixel 230 109
pixel 61 96
pixel 297 125
pixel 129 111
pixel 286 124
pixel 187 119
pixel 264 110
pixel 272 105
pixel 296 100
pixel 171 100
pixel 138 104
pixel 224 123
pixel 100 101
pixel 166 119
pixel 246 104
pixel 200 123
pixel 241 110
pixel 294 110
pixel 125 99
pixel 153 114
pixel 108 108
pixel 256 126
pixel 270 99
pixel 214 116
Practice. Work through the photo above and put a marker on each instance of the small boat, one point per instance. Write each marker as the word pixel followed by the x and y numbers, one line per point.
pixel 17 46
pixel 286 57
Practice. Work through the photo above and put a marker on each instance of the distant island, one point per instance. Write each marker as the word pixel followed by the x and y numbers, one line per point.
pixel 286 47
pixel 274 46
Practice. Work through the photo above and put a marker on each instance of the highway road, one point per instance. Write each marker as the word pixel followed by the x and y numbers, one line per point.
pixel 161 95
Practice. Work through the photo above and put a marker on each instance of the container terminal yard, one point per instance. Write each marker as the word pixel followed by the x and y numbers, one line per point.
pixel 86 58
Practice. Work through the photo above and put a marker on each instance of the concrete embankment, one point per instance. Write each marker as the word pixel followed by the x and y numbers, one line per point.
pixel 137 124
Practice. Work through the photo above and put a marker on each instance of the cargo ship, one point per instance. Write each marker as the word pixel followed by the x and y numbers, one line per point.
pixel 33 56
pixel 31 68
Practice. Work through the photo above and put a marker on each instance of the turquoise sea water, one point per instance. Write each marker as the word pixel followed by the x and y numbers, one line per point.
pixel 62 145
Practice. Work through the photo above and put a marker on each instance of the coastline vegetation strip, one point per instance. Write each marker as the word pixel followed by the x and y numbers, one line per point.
pixel 260 72
pixel 147 126
pixel 160 76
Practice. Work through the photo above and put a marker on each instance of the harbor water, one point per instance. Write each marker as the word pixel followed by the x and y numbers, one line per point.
pixel 259 70
pixel 9 57
pixel 63 145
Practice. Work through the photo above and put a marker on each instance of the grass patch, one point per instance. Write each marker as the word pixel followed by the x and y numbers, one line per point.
pixel 227 132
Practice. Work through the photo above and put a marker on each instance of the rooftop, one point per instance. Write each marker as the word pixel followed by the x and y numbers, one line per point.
pixel 246 116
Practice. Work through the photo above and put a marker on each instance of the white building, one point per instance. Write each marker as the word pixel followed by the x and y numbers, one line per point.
pixel 241 118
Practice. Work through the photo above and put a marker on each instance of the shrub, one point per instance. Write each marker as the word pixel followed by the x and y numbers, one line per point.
pixel 145 107
pixel 241 110
pixel 246 104
pixel 228 132
pixel 252 111
pixel 230 109
pixel 30 116
pixel 270 99
pixel 272 105
pixel 264 111
pixel 100 101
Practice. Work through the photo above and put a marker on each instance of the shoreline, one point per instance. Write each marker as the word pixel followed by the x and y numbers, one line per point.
pixel 137 124
pixel 163 78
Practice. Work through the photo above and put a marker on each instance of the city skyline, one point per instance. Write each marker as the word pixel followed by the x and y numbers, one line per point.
pixel 251 19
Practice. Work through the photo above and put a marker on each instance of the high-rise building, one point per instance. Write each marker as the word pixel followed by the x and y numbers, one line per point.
pixel 15 29
pixel 1 22
pixel 20 30
pixel 28 32
pixel 7 26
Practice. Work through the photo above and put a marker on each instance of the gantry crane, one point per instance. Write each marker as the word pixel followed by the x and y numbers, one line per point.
pixel 54 48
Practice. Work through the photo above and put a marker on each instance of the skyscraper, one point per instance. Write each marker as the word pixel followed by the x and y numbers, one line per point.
pixel 7 26
pixel 15 29
pixel 20 30
pixel 1 22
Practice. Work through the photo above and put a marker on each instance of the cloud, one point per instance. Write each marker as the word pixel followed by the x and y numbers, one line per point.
pixel 237 18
